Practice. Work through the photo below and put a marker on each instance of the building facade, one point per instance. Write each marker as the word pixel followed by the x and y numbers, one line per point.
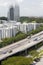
pixel 11 13
pixel 16 13
pixel 10 29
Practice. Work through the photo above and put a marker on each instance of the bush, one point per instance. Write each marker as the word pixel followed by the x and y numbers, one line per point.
pixel 18 61
pixel 34 54
pixel 20 37
pixel 8 41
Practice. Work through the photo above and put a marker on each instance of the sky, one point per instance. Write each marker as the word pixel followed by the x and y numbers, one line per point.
pixel 27 7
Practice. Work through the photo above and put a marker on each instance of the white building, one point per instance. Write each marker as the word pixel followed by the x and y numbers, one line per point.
pixel 11 28
pixel 3 21
pixel 26 27
pixel 7 31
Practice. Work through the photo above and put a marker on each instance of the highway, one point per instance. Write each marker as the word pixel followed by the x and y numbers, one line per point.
pixel 21 45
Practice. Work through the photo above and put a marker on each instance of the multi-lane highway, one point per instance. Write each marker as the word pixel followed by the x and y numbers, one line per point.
pixel 21 45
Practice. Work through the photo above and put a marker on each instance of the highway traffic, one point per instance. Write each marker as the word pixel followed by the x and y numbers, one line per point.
pixel 21 45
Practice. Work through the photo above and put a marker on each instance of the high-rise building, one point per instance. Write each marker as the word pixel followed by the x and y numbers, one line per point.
pixel 16 13
pixel 11 13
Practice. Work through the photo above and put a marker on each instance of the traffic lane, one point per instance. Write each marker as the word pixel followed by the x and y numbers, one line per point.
pixel 38 37
pixel 21 42
pixel 23 47
pixel 13 47
pixel 15 51
pixel 34 36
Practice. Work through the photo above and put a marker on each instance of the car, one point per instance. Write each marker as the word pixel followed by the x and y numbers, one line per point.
pixel 35 39
pixel 10 51
pixel 37 59
pixel 4 52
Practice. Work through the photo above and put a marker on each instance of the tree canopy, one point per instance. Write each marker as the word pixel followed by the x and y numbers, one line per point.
pixel 31 19
pixel 3 18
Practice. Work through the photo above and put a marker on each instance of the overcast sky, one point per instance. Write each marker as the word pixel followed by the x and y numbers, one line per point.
pixel 27 7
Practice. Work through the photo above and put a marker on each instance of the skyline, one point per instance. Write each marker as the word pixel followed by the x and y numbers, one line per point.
pixel 27 7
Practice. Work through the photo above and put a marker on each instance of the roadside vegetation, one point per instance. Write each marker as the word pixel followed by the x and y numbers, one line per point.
pixel 8 41
pixel 34 51
pixel 18 61
pixel 41 53
pixel 34 54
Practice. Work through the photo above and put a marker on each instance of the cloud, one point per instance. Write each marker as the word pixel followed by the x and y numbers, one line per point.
pixel 18 1
pixel 10 2
pixel 41 4
pixel 3 4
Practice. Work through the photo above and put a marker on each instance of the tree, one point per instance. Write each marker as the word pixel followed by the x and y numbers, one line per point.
pixel 18 61
pixel 3 18
pixel 34 54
